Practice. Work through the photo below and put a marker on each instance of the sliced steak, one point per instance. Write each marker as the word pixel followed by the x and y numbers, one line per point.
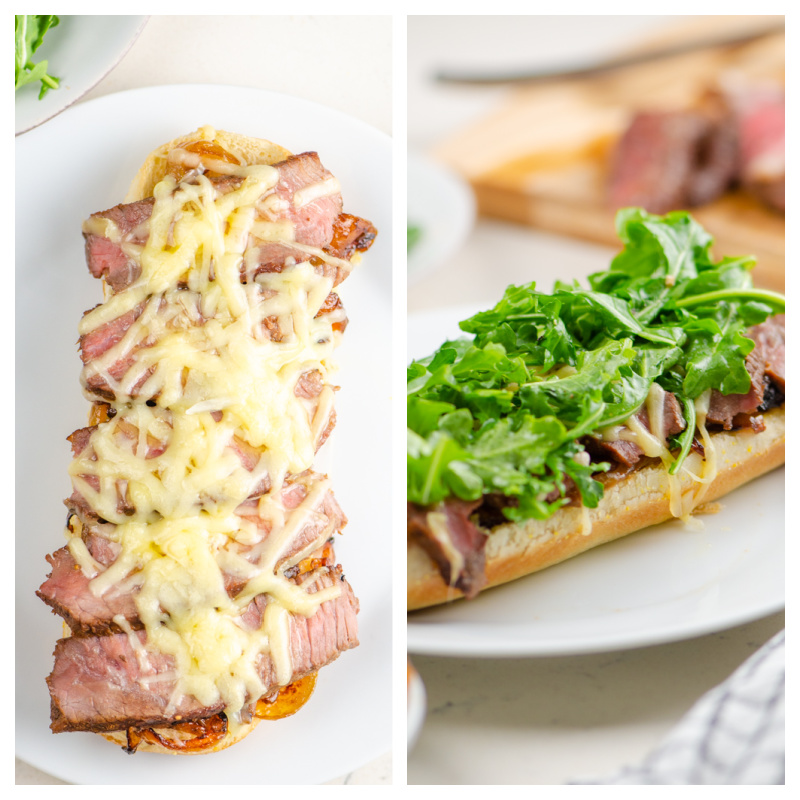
pixel 99 684
pixel 305 195
pixel 627 453
pixel 124 434
pixel 760 115
pixel 461 558
pixel 101 381
pixel 672 160
pixel 67 589
pixel 308 197
pixel 106 258
pixel 766 365
pixel 770 337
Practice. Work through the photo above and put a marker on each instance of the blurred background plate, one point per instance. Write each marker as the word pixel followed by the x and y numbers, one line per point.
pixel 441 206
pixel 80 51
pixel 544 155
pixel 416 706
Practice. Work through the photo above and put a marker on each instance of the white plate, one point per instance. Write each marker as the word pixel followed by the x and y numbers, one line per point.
pixel 442 206
pixel 80 163
pixel 666 583
pixel 80 51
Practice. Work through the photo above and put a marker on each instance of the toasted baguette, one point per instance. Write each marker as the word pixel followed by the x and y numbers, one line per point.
pixel 634 502
pixel 245 148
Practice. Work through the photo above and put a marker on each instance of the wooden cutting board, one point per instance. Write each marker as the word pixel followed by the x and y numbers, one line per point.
pixel 542 157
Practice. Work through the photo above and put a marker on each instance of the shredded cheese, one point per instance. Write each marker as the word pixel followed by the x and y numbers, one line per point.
pixel 222 359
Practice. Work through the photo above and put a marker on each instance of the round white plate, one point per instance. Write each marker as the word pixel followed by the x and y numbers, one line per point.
pixel 662 584
pixel 80 51
pixel 416 707
pixel 80 163
pixel 442 206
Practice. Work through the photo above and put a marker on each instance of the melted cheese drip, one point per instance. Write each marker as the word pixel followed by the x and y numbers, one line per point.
pixel 437 521
pixel 653 443
pixel 171 476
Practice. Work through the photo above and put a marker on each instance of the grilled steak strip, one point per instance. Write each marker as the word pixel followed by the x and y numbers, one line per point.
pixel 760 117
pixel 461 558
pixel 67 592
pixel 95 344
pixel 628 453
pixel 673 159
pixel 320 223
pixel 98 684
pixel 67 589
pixel 766 361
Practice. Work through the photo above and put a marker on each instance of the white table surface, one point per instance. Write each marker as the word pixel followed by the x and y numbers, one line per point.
pixel 341 62
pixel 537 720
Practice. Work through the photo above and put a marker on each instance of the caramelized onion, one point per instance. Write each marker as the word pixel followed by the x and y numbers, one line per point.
pixel 323 558
pixel 288 700
pixel 100 412
pixel 185 737
pixel 206 150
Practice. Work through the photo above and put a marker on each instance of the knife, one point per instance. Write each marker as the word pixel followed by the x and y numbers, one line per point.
pixel 599 67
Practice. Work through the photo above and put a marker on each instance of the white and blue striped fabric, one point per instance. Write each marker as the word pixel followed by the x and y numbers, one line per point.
pixel 733 735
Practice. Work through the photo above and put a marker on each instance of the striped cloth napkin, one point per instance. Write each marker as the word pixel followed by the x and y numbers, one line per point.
pixel 733 735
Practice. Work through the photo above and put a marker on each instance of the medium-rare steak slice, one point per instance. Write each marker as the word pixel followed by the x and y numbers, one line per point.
pixel 760 114
pixel 130 462
pixel 628 453
pixel 67 592
pixel 110 350
pixel 67 589
pixel 671 160
pixel 770 336
pixel 306 195
pixel 98 685
pixel 452 540
pixel 765 363
pixel 101 684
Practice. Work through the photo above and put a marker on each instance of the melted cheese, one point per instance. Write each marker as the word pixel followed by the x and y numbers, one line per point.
pixel 437 521
pixel 653 443
pixel 222 359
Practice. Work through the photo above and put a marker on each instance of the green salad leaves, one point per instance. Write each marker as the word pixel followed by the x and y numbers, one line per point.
pixel 29 32
pixel 503 412
pixel 413 235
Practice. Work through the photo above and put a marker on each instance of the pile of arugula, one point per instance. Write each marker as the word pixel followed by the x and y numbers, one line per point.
pixel 489 414
pixel 413 234
pixel 29 31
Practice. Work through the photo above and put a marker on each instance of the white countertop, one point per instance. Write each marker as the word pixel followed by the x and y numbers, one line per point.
pixel 551 720
pixel 343 62
pixel 537 720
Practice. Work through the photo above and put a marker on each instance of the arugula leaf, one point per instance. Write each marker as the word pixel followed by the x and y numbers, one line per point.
pixel 505 411
pixel 29 33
